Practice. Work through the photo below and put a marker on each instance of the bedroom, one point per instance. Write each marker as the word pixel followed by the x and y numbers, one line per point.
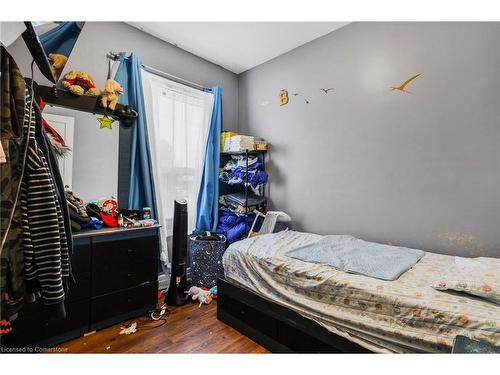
pixel 250 187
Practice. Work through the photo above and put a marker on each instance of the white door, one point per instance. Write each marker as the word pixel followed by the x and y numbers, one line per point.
pixel 64 125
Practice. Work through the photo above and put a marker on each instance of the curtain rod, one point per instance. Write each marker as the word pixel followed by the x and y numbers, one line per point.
pixel 114 56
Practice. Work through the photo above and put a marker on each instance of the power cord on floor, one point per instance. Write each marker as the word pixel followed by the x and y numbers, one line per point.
pixel 157 315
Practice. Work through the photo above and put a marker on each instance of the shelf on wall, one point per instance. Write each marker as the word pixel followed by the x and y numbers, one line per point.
pixel 243 152
pixel 242 183
pixel 83 103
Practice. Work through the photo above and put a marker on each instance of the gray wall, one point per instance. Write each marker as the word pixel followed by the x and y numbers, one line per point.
pixel 420 169
pixel 95 164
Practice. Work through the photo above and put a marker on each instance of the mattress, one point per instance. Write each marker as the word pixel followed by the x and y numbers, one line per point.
pixel 402 316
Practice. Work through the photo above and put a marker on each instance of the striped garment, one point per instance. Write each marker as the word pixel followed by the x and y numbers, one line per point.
pixel 46 254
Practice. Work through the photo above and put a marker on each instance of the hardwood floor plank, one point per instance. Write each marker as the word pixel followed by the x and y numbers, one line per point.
pixel 188 329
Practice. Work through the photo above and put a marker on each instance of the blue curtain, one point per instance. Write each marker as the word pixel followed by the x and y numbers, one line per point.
pixel 141 189
pixel 61 38
pixel 208 197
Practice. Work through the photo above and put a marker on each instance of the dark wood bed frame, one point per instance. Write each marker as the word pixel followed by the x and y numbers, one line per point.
pixel 275 327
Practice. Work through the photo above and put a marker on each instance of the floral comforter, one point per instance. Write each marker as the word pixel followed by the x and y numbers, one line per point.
pixel 403 316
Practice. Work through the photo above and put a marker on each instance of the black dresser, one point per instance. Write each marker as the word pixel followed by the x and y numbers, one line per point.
pixel 116 273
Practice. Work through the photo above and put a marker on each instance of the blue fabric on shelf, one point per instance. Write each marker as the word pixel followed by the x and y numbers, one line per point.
pixel 235 233
pixel 141 193
pixel 228 220
pixel 207 208
pixel 256 175
pixel 61 38
pixel 234 226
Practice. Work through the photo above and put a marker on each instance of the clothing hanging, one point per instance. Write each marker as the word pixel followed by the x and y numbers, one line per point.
pixel 11 134
pixel 36 235
pixel 46 254
pixel 3 158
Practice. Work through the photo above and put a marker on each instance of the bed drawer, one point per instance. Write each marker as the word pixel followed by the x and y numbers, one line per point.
pixel 301 342
pixel 276 327
pixel 248 315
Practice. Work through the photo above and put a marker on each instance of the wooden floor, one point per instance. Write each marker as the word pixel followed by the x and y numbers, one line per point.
pixel 188 329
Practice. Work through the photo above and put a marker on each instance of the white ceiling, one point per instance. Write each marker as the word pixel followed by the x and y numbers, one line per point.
pixel 238 46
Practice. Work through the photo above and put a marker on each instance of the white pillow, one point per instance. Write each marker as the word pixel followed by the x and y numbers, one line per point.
pixel 477 276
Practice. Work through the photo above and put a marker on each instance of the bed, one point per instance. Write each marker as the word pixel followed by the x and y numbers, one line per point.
pixel 357 312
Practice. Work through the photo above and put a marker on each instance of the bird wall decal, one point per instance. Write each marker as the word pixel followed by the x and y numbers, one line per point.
pixel 327 90
pixel 404 84
pixel 295 93
pixel 307 101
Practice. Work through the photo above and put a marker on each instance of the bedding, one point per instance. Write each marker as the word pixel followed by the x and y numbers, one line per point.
pixel 350 254
pixel 406 315
pixel 477 276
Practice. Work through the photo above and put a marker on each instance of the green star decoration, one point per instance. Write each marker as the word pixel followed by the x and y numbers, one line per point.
pixel 105 122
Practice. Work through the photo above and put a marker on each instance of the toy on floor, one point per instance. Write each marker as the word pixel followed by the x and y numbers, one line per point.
pixel 128 329
pixel 203 296
pixel 213 292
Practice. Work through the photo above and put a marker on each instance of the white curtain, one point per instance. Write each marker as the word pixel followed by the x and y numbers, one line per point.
pixel 178 119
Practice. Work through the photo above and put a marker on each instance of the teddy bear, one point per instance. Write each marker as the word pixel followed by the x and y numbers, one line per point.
pixel 112 90
pixel 57 62
pixel 80 83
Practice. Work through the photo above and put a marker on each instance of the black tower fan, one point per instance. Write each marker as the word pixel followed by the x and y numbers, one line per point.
pixel 176 295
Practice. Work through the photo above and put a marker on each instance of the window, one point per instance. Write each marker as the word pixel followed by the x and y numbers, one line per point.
pixel 178 120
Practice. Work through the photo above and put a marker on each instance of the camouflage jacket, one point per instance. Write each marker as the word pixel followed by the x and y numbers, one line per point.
pixel 12 99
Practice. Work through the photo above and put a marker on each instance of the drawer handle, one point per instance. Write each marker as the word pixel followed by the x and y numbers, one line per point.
pixel 130 251
pixel 129 274
pixel 129 300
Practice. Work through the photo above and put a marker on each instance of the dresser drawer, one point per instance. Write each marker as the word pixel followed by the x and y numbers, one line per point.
pixel 123 263
pixel 117 307
pixel 34 326
pixel 74 325
pixel 80 265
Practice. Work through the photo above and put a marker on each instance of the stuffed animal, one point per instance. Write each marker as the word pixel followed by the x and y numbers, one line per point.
pixel 57 62
pixel 213 292
pixel 112 90
pixel 80 83
pixel 108 205
pixel 203 296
